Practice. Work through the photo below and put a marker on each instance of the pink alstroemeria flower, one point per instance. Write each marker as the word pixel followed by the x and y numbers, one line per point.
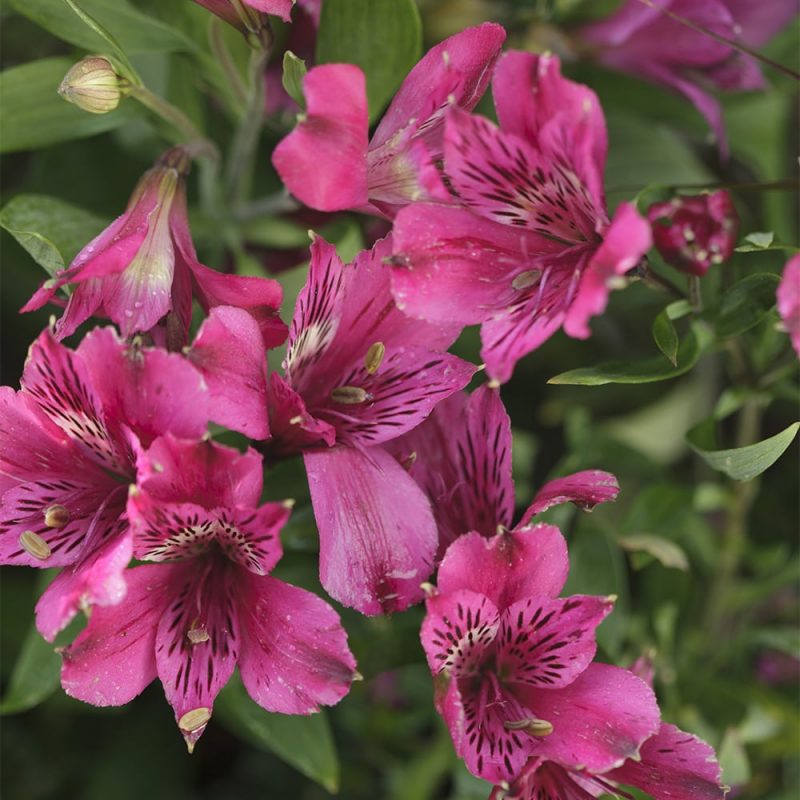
pixel 144 266
pixel 461 457
pixel 643 41
pixel 672 765
pixel 692 233
pixel 67 444
pixel 789 300
pixel 329 163
pixel 530 249
pixel 243 14
pixel 210 604
pixel 512 662
pixel 357 374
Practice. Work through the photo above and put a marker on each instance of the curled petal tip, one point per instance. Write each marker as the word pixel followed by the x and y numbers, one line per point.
pixel 612 598
pixel 357 676
pixel 428 588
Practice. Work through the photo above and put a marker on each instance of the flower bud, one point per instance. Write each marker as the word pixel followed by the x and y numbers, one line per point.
pixel 692 233
pixel 93 85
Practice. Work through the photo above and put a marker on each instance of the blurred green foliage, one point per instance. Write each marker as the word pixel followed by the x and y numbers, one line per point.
pixel 705 567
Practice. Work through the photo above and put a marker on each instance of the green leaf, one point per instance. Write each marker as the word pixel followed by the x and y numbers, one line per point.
pixel 304 742
pixel 35 116
pixel 51 230
pixel 666 337
pixel 648 371
pixel 733 759
pixel 744 305
pixel 383 37
pixel 294 70
pixel 663 550
pixel 740 463
pixel 760 240
pixel 134 31
pixel 35 676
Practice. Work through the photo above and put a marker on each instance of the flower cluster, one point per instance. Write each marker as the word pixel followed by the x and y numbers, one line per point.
pixel 108 470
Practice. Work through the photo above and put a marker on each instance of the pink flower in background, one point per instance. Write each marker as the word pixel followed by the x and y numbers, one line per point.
pixel 357 374
pixel 692 233
pixel 67 454
pixel 328 162
pixel 512 661
pixel 461 457
pixel 209 604
pixel 243 14
pixel 672 765
pixel 144 266
pixel 789 300
pixel 530 249
pixel 645 42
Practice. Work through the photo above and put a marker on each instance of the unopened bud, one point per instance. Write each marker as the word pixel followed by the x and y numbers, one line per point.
pixel 92 85
pixel 56 516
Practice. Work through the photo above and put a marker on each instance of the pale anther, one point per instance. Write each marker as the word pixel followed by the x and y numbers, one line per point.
pixel 349 395
pixel 374 357
pixel 56 516
pixel 194 719
pixel 33 544
pixel 197 633
pixel 526 279
pixel 535 727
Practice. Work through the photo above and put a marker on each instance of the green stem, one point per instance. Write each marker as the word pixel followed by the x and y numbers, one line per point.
pixel 278 203
pixel 656 281
pixel 246 138
pixel 695 293
pixel 224 59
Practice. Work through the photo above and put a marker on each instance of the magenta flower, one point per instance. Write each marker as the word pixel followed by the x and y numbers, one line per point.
pixel 789 300
pixel 357 374
pixel 243 14
pixel 209 604
pixel 67 444
pixel 461 457
pixel 643 41
pixel 692 233
pixel 329 163
pixel 530 249
pixel 672 765
pixel 512 661
pixel 144 266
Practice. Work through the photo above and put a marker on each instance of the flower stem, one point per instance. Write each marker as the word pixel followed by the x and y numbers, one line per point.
pixel 246 138
pixel 695 293
pixel 653 279
pixel 224 59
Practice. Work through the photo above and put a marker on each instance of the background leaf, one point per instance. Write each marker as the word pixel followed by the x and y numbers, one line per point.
pixel 666 337
pixel 744 305
pixel 304 742
pixel 35 677
pixel 383 37
pixel 294 70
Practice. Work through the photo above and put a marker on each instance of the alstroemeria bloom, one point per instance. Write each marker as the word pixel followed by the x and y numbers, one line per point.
pixel 672 765
pixel 67 443
pixel 329 163
pixel 461 457
pixel 512 661
pixel 210 604
pixel 692 233
pixel 645 42
pixel 357 374
pixel 244 14
pixel 789 300
pixel 530 249
pixel 144 266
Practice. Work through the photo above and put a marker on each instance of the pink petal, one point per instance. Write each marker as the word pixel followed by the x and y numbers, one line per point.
pixel 376 529
pixel 535 103
pixel 293 429
pixel 541 778
pixel 280 8
pixel 789 300
pixel 674 766
pixel 624 244
pixel 323 161
pixel 462 459
pixel 198 638
pixel 455 266
pixel 457 632
pixel 178 470
pixel 62 384
pixel 98 579
pixel 113 659
pixel 512 566
pixel 229 352
pixel 759 22
pixel 537 312
pixel 150 390
pixel 601 719
pixel 549 643
pixel 294 655
pixel 403 390
pixel 586 489
pixel 505 178
pixel 456 71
